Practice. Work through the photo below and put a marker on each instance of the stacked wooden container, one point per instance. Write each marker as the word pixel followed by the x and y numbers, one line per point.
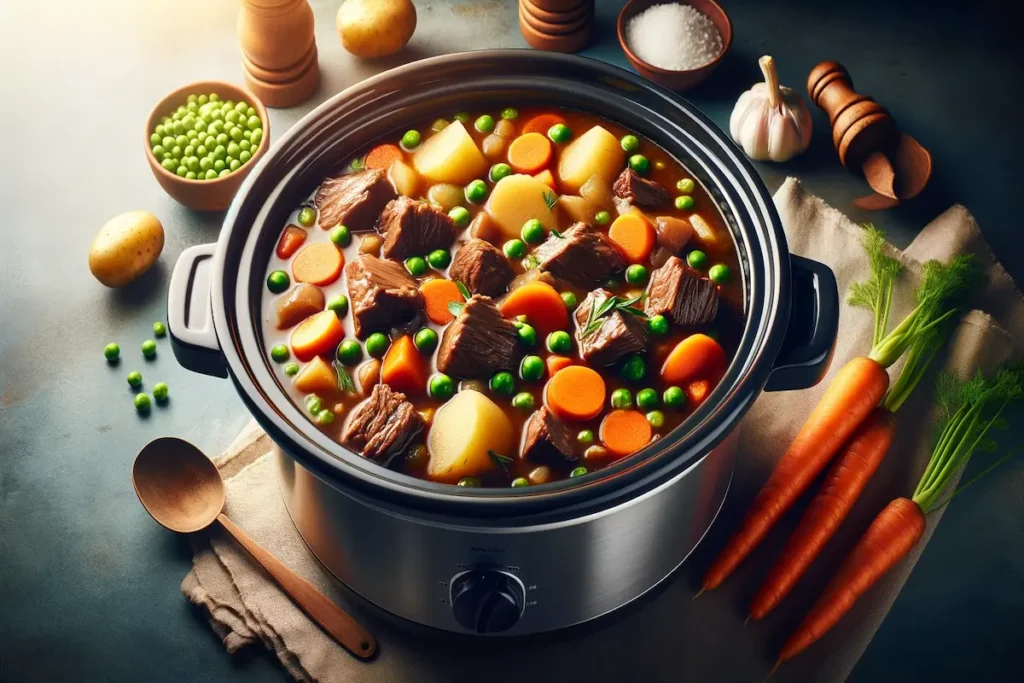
pixel 556 25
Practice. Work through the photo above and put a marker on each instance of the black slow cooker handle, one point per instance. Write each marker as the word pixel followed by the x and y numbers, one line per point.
pixel 189 314
pixel 813 322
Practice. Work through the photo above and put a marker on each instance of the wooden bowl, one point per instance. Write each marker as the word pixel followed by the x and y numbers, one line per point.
pixel 562 29
pixel 559 5
pixel 538 40
pixel 671 79
pixel 204 195
pixel 559 17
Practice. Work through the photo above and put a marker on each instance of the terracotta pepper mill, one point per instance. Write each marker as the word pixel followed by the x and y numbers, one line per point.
pixel 279 54
pixel 868 140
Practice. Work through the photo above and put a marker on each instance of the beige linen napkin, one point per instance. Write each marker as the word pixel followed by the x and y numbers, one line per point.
pixel 665 636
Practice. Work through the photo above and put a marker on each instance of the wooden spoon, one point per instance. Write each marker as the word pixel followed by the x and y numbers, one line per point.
pixel 183 491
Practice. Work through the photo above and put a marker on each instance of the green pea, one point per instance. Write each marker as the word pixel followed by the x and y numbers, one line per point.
pixel 658 324
pixel 636 274
pixel 159 151
pixel 244 156
pixel 156 137
pixel 168 141
pixel 697 259
pixel 135 379
pixel 523 401
pixel 646 399
pixel 211 174
pixel 160 391
pixel 499 171
pixel 256 138
pixel 324 417
pixel 219 165
pixel 585 437
pixel 307 214
pixel 291 369
pixel 279 353
pixel 639 163
pixel 520 482
pixel 514 249
pixel 673 397
pixel 111 351
pixel 416 265
pixel 253 123
pixel 602 218
pixel 244 145
pixel 439 259
pixel 142 403
pixel 559 342
pixel 656 418
pixel 349 352
pixel 532 368
pixel 719 273
pixel 484 124
pixel 532 232
pixel 686 185
pixel 438 125
pixel 569 299
pixel 425 340
pixel 190 176
pixel 476 191
pixel 622 398
pixel 341 236
pixel 233 150
pixel 469 482
pixel 633 368
pixel 502 383
pixel 169 165
pixel 338 304
pixel 630 143
pixel 462 116
pixel 278 281
pixel 509 114
pixel 202 99
pixel 214 97
pixel 441 387
pixel 559 133
pixel 222 139
pixel 238 135
pixel 460 216
pixel 149 348
pixel 206 163
pixel 684 202
pixel 578 472
pixel 182 171
pixel 527 335
pixel 411 139
pixel 313 404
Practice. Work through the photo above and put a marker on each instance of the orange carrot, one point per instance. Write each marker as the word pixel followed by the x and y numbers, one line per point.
pixel 404 369
pixel 318 334
pixel 541 123
pixel 854 392
pixel 625 431
pixel 634 236
pixel 848 476
pixel 382 156
pixel 540 303
pixel 890 537
pixel 556 363
pixel 291 239
pixel 695 357
pixel 529 153
pixel 437 294
pixel 546 178
pixel 318 264
pixel 575 393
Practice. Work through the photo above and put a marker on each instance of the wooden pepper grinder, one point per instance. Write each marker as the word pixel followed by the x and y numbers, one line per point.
pixel 868 140
pixel 279 55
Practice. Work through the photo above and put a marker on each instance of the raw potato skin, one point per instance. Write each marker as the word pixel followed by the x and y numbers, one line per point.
pixel 375 28
pixel 126 247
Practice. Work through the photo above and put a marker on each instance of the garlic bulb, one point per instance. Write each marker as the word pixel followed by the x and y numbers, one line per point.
pixel 770 122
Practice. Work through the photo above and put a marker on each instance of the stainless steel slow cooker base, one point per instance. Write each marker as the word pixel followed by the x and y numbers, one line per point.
pixel 566 572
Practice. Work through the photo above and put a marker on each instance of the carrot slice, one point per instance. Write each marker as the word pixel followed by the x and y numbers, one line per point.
pixel 634 235
pixel 529 153
pixel 318 264
pixel 625 431
pixel 556 363
pixel 540 303
pixel 405 368
pixel 546 178
pixel 382 156
pixel 575 393
pixel 696 357
pixel 437 294
pixel 541 123
pixel 291 239
pixel 318 334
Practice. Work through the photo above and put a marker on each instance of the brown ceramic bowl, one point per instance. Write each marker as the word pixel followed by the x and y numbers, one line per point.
pixel 204 195
pixel 676 80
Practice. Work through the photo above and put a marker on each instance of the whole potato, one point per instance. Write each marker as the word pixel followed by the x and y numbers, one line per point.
pixel 375 28
pixel 125 247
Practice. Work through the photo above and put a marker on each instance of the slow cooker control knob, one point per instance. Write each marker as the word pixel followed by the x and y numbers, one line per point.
pixel 487 600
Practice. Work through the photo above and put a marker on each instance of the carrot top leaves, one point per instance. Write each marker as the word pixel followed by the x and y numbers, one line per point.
pixel 875 293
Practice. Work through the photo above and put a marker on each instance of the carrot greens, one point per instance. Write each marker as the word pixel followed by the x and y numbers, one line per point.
pixel 875 293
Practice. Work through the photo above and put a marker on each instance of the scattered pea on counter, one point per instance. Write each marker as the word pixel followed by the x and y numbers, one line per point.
pixel 160 392
pixel 142 403
pixel 159 329
pixel 149 348
pixel 135 379
pixel 112 352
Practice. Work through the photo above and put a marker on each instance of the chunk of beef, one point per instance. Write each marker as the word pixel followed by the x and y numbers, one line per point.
pixel 413 228
pixel 617 334
pixel 482 268
pixel 382 294
pixel 546 440
pixel 643 193
pixel 354 200
pixel 382 426
pixel 479 342
pixel 680 293
pixel 582 256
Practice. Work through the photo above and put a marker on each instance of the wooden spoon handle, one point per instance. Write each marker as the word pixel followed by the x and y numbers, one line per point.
pixel 338 624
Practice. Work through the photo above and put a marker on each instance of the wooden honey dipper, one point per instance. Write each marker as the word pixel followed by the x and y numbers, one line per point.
pixel 868 140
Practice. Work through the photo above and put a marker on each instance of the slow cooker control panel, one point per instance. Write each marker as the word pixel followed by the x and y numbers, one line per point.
pixel 487 600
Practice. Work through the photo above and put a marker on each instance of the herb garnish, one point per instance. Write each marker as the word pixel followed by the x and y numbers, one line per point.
pixel 530 262
pixel 610 305
pixel 455 307
pixel 550 199
pixel 464 289
pixel 356 164
pixel 346 385
pixel 557 234
pixel 502 461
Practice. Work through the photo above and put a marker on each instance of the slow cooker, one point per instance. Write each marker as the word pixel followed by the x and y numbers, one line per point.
pixel 503 561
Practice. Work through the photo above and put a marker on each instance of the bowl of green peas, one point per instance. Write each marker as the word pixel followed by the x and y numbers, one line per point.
pixel 203 139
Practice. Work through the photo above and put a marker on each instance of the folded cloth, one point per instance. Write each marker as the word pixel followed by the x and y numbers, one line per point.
pixel 665 636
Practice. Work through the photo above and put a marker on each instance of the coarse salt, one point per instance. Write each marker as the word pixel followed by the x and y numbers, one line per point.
pixel 673 36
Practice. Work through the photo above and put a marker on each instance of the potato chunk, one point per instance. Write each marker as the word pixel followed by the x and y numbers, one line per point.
pixel 450 156
pixel 317 377
pixel 596 152
pixel 516 199
pixel 464 429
